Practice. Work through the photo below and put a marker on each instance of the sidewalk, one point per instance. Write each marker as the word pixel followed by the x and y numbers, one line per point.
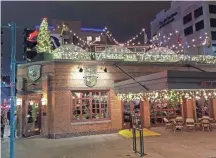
pixel 194 144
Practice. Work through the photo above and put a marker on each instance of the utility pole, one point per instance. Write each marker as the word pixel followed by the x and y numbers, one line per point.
pixel 12 27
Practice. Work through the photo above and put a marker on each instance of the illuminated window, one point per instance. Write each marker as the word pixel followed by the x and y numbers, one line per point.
pixel 90 105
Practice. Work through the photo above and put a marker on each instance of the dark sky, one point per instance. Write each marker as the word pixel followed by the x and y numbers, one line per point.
pixel 124 19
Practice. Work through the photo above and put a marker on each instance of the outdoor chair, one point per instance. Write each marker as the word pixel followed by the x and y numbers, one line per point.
pixel 168 124
pixel 178 125
pixel 205 125
pixel 190 124
pixel 213 124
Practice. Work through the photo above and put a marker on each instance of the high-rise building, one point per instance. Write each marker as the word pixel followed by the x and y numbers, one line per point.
pixel 186 27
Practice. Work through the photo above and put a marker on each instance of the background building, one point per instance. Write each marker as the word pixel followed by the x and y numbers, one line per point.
pixel 186 27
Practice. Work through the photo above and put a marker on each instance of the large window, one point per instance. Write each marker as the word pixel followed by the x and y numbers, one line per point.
pixel 212 22
pixel 188 30
pixel 212 9
pixel 199 25
pixel 90 105
pixel 163 109
pixel 198 12
pixel 187 18
pixel 213 34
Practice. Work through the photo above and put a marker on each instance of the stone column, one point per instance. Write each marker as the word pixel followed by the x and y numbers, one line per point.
pixel 146 113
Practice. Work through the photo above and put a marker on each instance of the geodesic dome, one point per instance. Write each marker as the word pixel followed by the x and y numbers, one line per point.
pixel 160 51
pixel 70 51
pixel 161 54
pixel 116 49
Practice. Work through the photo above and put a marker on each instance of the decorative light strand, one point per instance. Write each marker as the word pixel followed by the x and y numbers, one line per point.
pixel 170 95
pixel 109 34
pixel 179 47
pixel 135 37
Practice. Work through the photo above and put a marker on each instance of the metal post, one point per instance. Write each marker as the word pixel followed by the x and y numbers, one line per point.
pixel 12 82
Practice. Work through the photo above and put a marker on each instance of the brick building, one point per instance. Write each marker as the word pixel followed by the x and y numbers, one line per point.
pixel 63 98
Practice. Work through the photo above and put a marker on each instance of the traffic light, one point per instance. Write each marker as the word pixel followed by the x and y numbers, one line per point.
pixel 29 43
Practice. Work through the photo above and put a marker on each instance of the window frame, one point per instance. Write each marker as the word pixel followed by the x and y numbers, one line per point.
pixel 201 21
pixel 185 21
pixel 191 26
pixel 195 11
pixel 211 22
pixel 211 10
pixel 90 99
pixel 213 32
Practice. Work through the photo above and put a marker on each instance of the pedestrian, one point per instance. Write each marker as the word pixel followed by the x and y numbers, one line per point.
pixel 8 116
pixel 2 125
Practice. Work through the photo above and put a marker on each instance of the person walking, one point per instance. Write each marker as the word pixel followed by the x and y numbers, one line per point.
pixel 2 125
pixel 8 116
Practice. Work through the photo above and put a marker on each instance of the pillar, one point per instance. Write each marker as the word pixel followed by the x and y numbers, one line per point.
pixel 146 113
pixel 44 107
pixel 189 108
pixel 19 123
pixel 214 108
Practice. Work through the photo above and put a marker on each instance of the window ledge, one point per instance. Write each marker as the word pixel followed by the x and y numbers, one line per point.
pixel 90 122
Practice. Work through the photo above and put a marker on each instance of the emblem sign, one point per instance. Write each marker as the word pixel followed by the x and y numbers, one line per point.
pixel 90 78
pixel 34 72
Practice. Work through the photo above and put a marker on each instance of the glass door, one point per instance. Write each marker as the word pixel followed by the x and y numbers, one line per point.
pixel 126 115
pixel 33 119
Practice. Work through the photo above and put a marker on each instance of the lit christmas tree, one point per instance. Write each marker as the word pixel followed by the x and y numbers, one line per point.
pixel 44 40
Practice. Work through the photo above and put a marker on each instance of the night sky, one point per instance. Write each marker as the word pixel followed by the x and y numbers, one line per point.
pixel 123 19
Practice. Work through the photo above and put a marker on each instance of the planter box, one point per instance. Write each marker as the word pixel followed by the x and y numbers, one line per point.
pixel 43 57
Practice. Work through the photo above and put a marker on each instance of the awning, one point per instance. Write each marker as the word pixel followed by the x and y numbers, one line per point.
pixel 169 80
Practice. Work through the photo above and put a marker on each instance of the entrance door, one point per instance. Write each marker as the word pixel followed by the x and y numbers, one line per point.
pixel 126 115
pixel 128 109
pixel 33 119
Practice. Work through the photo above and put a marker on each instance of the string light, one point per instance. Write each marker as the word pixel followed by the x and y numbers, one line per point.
pixel 169 95
pixel 154 55
pixel 194 43
pixel 135 37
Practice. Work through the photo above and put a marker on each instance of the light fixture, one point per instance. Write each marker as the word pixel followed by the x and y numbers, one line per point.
pixel 80 69
pixel 31 102
pixel 19 101
pixel 43 101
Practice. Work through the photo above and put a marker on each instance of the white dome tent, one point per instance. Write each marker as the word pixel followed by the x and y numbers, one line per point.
pixel 161 54
pixel 70 51
pixel 116 49
pixel 116 52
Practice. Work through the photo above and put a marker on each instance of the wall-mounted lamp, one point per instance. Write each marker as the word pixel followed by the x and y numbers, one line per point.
pixel 19 101
pixel 80 68
pixel 104 68
pixel 43 101
pixel 31 102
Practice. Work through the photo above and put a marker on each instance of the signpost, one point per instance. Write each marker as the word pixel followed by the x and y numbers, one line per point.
pixel 137 126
